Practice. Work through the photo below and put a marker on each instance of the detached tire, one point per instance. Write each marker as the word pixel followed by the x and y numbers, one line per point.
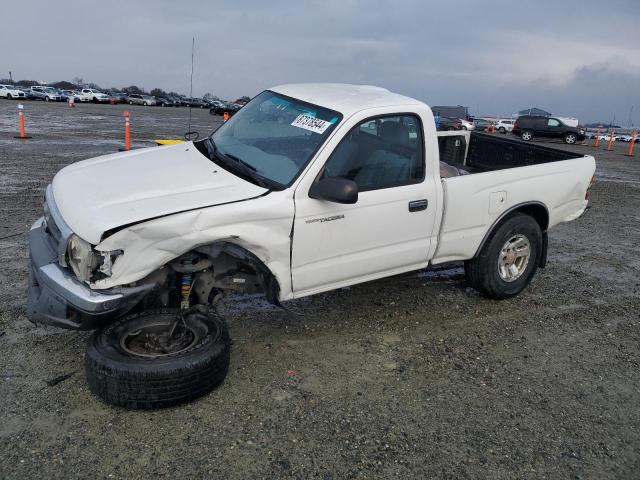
pixel 508 260
pixel 127 366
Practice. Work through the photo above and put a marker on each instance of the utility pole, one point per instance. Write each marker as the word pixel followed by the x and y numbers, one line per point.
pixel 10 77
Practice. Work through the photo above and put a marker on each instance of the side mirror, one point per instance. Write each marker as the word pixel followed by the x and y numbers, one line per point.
pixel 335 189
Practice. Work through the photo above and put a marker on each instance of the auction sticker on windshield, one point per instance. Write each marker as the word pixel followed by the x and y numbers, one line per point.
pixel 310 123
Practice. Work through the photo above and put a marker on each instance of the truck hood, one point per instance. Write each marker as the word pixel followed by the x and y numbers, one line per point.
pixel 107 192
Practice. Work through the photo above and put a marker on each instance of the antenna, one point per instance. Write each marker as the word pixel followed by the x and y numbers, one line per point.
pixel 193 44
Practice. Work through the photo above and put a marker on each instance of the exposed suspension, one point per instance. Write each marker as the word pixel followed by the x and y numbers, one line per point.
pixel 186 284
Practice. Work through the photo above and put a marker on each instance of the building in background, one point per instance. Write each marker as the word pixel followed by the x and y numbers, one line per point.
pixel 454 112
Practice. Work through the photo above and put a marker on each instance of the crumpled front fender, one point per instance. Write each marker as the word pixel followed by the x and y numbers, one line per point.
pixel 261 225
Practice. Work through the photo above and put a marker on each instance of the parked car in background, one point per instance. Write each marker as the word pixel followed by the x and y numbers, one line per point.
pixel 218 107
pixel 70 94
pixel 482 124
pixel 117 97
pixel 627 138
pixel 93 95
pixel 466 124
pixel 504 125
pixel 48 94
pixel 164 101
pixel 11 91
pixel 139 99
pixel 176 99
pixel 529 126
pixel 607 136
pixel 196 102
pixel 448 123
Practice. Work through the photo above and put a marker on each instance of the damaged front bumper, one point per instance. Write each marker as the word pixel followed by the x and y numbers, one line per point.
pixel 56 297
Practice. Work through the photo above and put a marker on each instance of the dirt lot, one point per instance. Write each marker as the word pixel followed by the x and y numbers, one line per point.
pixel 414 376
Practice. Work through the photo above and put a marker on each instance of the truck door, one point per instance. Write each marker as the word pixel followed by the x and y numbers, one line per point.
pixel 388 230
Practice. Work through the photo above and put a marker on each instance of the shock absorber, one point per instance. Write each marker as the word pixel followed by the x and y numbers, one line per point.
pixel 185 290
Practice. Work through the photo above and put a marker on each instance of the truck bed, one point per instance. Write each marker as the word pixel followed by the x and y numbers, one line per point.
pixel 479 152
pixel 504 175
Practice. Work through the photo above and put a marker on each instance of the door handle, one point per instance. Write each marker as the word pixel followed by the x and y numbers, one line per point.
pixel 418 205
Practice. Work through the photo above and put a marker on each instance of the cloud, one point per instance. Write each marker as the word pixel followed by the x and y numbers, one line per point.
pixel 562 56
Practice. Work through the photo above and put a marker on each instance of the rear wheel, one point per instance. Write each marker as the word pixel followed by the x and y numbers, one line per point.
pixel 157 359
pixel 508 260
pixel 570 138
pixel 502 130
pixel 526 135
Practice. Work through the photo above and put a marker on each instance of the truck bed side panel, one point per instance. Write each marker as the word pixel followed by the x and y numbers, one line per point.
pixel 473 203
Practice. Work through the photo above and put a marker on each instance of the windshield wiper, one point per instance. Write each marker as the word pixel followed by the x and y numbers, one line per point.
pixel 248 169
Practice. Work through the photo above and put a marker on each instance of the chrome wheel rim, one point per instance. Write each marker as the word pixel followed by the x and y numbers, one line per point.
pixel 571 139
pixel 514 258
pixel 526 136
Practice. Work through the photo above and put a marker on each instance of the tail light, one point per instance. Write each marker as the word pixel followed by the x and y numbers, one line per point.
pixel 515 125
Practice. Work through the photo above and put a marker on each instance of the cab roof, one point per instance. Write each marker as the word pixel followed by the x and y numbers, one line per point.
pixel 345 98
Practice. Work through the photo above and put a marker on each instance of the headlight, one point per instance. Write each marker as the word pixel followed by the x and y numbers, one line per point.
pixel 81 258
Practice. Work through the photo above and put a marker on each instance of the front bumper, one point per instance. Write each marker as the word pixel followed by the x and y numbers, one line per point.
pixel 56 297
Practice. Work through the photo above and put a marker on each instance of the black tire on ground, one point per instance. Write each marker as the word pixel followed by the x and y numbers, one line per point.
pixel 46 99
pixel 9 96
pixel 119 374
pixel 502 130
pixel 526 135
pixel 483 271
pixel 570 138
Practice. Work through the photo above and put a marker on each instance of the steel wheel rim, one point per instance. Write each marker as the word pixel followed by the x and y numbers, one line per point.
pixel 151 340
pixel 514 258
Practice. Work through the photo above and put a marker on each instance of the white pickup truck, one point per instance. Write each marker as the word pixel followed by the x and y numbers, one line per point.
pixel 308 188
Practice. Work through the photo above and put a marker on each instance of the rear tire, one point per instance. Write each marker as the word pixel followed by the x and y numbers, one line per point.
pixel 498 271
pixel 527 135
pixel 123 369
pixel 502 130
pixel 570 138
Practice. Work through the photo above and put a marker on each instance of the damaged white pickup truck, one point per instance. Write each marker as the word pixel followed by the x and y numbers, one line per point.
pixel 308 188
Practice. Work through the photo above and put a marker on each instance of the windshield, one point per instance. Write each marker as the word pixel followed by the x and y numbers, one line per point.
pixel 274 136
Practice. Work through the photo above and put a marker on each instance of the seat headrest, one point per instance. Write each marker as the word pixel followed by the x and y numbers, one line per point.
pixel 394 132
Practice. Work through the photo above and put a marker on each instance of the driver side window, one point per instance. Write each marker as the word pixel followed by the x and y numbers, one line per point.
pixel 378 153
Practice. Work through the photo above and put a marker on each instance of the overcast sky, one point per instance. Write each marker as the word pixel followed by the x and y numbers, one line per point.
pixel 578 58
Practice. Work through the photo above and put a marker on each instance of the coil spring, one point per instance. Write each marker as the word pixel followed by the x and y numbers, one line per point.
pixel 185 290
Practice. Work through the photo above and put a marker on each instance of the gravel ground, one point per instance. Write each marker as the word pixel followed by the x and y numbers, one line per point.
pixel 415 376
